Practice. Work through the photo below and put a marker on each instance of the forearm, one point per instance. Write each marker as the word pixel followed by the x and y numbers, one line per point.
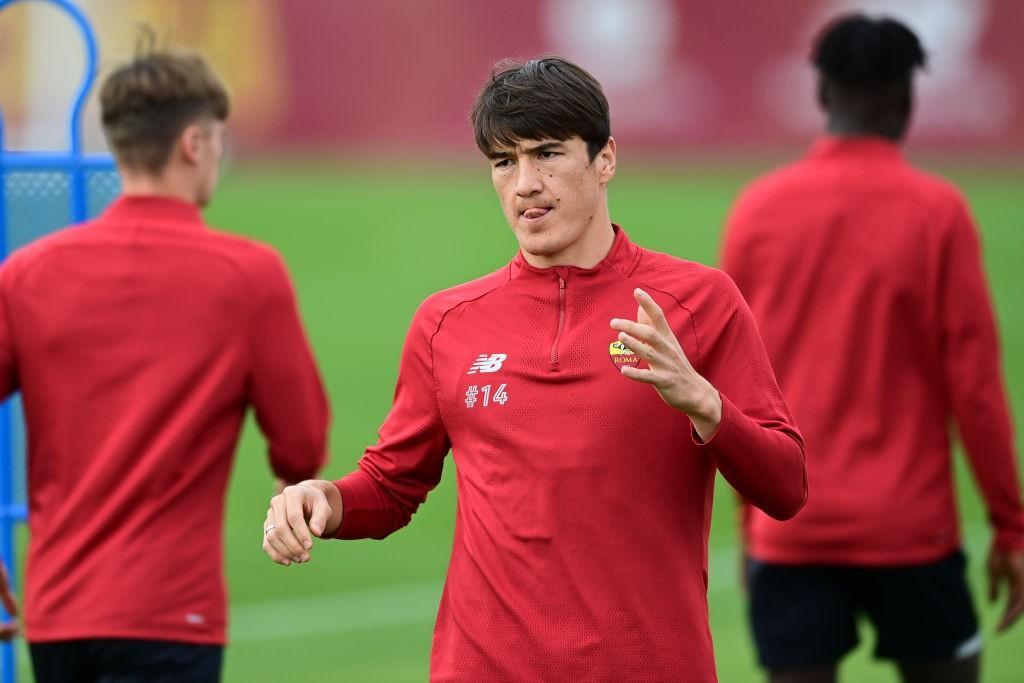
pixel 294 416
pixel 974 380
pixel 763 462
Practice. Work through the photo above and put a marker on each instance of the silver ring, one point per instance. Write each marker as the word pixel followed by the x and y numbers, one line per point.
pixel 267 529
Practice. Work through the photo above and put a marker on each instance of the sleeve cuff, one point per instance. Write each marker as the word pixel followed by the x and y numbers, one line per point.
pixel 360 517
pixel 1010 541
pixel 724 429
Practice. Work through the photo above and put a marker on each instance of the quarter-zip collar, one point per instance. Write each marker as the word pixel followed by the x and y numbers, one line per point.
pixel 622 258
pixel 165 211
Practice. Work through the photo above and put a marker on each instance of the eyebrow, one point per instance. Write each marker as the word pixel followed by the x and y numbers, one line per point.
pixel 528 151
pixel 542 147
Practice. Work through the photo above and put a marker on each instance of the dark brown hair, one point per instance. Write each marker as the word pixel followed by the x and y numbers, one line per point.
pixel 147 103
pixel 543 98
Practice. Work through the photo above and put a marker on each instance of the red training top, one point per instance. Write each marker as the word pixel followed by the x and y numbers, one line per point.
pixel 580 547
pixel 138 340
pixel 865 277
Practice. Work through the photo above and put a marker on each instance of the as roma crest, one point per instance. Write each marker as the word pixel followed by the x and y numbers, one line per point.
pixel 621 355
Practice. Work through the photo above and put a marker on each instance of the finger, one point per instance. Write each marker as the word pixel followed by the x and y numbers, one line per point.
pixel 1014 610
pixel 273 545
pixel 644 333
pixel 992 576
pixel 641 349
pixel 653 311
pixel 282 531
pixel 281 547
pixel 274 554
pixel 645 376
pixel 10 603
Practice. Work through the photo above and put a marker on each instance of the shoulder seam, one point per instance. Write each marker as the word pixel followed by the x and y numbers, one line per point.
pixel 455 305
pixel 437 329
pixel 680 304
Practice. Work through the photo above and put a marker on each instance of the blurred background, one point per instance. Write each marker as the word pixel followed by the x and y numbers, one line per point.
pixel 351 153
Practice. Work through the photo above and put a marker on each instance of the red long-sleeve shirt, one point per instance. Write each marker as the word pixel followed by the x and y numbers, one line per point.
pixel 580 549
pixel 865 277
pixel 138 341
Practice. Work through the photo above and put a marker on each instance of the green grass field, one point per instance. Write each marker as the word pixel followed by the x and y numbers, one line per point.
pixel 365 245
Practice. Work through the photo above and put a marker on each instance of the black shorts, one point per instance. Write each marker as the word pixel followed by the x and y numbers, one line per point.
pixel 806 616
pixel 115 660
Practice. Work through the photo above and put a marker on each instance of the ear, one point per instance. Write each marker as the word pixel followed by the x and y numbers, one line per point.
pixel 606 161
pixel 190 144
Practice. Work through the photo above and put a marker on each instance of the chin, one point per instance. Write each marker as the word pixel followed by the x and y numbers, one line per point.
pixel 203 199
pixel 540 244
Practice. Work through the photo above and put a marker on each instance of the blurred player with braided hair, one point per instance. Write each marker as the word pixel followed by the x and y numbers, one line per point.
pixel 865 276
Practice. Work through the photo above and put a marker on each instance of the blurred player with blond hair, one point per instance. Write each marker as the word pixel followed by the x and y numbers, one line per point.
pixel 138 341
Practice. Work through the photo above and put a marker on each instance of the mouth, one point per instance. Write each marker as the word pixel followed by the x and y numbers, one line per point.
pixel 535 213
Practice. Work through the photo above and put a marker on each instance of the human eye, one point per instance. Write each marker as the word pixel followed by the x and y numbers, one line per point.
pixel 548 154
pixel 502 163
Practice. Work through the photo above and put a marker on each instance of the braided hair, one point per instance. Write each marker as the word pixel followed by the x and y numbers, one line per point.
pixel 865 53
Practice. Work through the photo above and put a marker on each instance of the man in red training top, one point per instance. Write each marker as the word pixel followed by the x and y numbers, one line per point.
pixel 587 431
pixel 865 276
pixel 138 341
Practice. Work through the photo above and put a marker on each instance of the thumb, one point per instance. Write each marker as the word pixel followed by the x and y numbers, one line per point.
pixel 318 518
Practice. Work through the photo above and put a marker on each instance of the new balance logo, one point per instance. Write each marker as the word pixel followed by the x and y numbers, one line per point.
pixel 485 363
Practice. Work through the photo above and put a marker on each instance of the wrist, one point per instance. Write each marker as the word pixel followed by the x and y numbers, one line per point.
pixel 707 414
pixel 330 491
pixel 709 408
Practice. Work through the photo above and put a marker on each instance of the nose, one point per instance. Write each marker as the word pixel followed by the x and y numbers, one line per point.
pixel 528 180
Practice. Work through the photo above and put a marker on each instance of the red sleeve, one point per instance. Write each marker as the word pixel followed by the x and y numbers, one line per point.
pixel 8 369
pixel 756 446
pixel 735 265
pixel 970 349
pixel 285 387
pixel 395 475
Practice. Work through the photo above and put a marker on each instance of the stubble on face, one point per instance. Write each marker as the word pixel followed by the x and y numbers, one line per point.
pixel 551 193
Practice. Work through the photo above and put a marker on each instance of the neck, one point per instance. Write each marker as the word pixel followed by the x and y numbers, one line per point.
pixel 167 184
pixel 586 252
pixel 846 127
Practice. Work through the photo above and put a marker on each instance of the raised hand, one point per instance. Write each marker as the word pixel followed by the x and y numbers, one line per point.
pixel 669 370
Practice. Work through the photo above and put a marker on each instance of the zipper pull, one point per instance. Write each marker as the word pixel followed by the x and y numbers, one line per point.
pixel 561 324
